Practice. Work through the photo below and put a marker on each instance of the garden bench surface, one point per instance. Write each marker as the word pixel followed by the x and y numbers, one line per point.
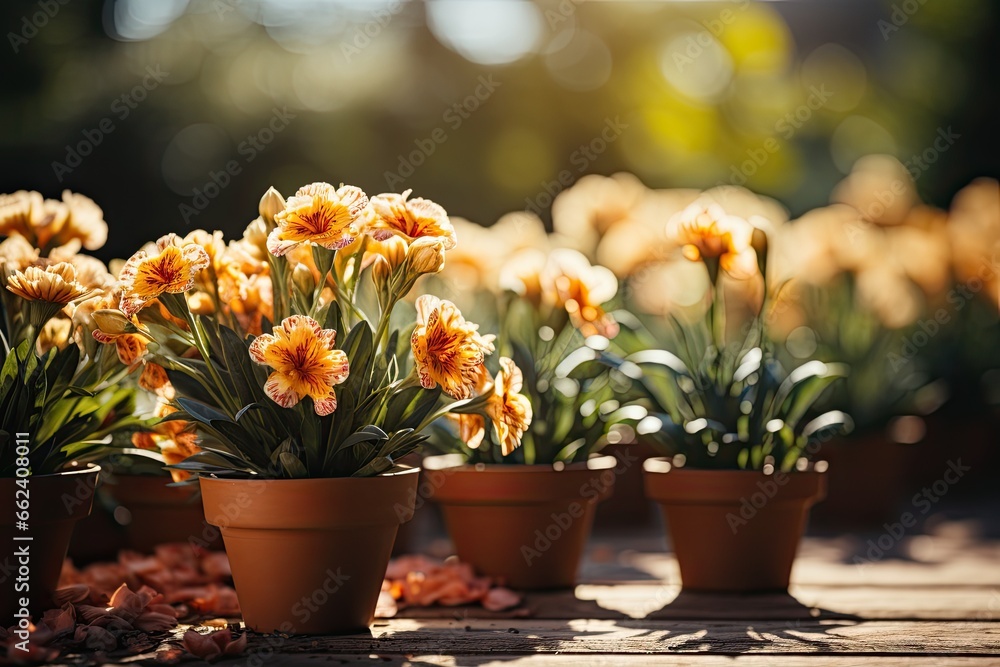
pixel 936 601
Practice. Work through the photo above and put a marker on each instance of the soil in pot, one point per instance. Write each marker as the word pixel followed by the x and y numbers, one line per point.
pixel 524 525
pixel 734 530
pixel 55 503
pixel 154 513
pixel 309 555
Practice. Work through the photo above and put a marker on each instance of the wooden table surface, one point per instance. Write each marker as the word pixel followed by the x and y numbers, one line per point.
pixel 934 601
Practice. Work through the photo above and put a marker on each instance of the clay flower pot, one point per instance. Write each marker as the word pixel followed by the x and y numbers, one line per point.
pixel 55 503
pixel 155 513
pixel 525 525
pixel 734 530
pixel 309 555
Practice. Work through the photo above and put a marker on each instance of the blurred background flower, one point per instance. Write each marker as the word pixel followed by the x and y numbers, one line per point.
pixel 176 114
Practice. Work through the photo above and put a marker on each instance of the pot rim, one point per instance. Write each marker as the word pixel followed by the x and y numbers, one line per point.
pixel 451 462
pixel 661 465
pixel 518 485
pixel 409 470
pixel 691 486
pixel 86 468
pixel 315 503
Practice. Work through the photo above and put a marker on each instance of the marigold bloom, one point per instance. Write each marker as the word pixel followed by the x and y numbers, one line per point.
pixel 706 232
pixel 173 269
pixel 395 215
pixel 508 408
pixel 54 284
pixel 447 350
pixel 305 363
pixel 320 214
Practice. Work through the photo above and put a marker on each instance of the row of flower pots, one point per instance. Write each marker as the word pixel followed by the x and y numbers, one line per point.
pixel 294 373
pixel 329 540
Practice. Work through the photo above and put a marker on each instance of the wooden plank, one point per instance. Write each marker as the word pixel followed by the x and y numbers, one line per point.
pixel 598 660
pixel 832 563
pixel 586 636
pixel 664 601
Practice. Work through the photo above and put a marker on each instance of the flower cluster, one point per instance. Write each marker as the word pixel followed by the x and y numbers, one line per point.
pixel 50 360
pixel 200 308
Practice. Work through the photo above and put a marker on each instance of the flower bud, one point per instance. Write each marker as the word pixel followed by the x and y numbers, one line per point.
pixel 271 204
pixel 393 250
pixel 113 322
pixel 303 280
pixel 425 255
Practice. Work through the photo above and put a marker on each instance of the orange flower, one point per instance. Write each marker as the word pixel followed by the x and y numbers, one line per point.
pixel 508 408
pixel 707 232
pixel 320 214
pixel 171 270
pixel 54 284
pixel 394 215
pixel 154 378
pixel 175 439
pixel 472 427
pixel 569 281
pixel 305 363
pixel 447 350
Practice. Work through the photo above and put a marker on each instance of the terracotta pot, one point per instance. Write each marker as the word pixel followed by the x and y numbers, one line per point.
pixel 55 503
pixel 309 555
pixel 525 525
pixel 155 513
pixel 866 480
pixel 734 530
pixel 629 508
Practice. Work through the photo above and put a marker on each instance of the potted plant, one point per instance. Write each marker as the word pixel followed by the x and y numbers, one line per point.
pixel 519 504
pixel 154 504
pixel 59 399
pixel 736 485
pixel 306 385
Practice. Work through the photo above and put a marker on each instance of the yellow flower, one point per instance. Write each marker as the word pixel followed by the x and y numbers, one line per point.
pixel 707 232
pixel 172 270
pixel 569 281
pixel 522 274
pixel 48 223
pixel 54 284
pixel 320 214
pixel 395 215
pixel 447 350
pixel 17 254
pixel 250 299
pixel 508 408
pixel 305 363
